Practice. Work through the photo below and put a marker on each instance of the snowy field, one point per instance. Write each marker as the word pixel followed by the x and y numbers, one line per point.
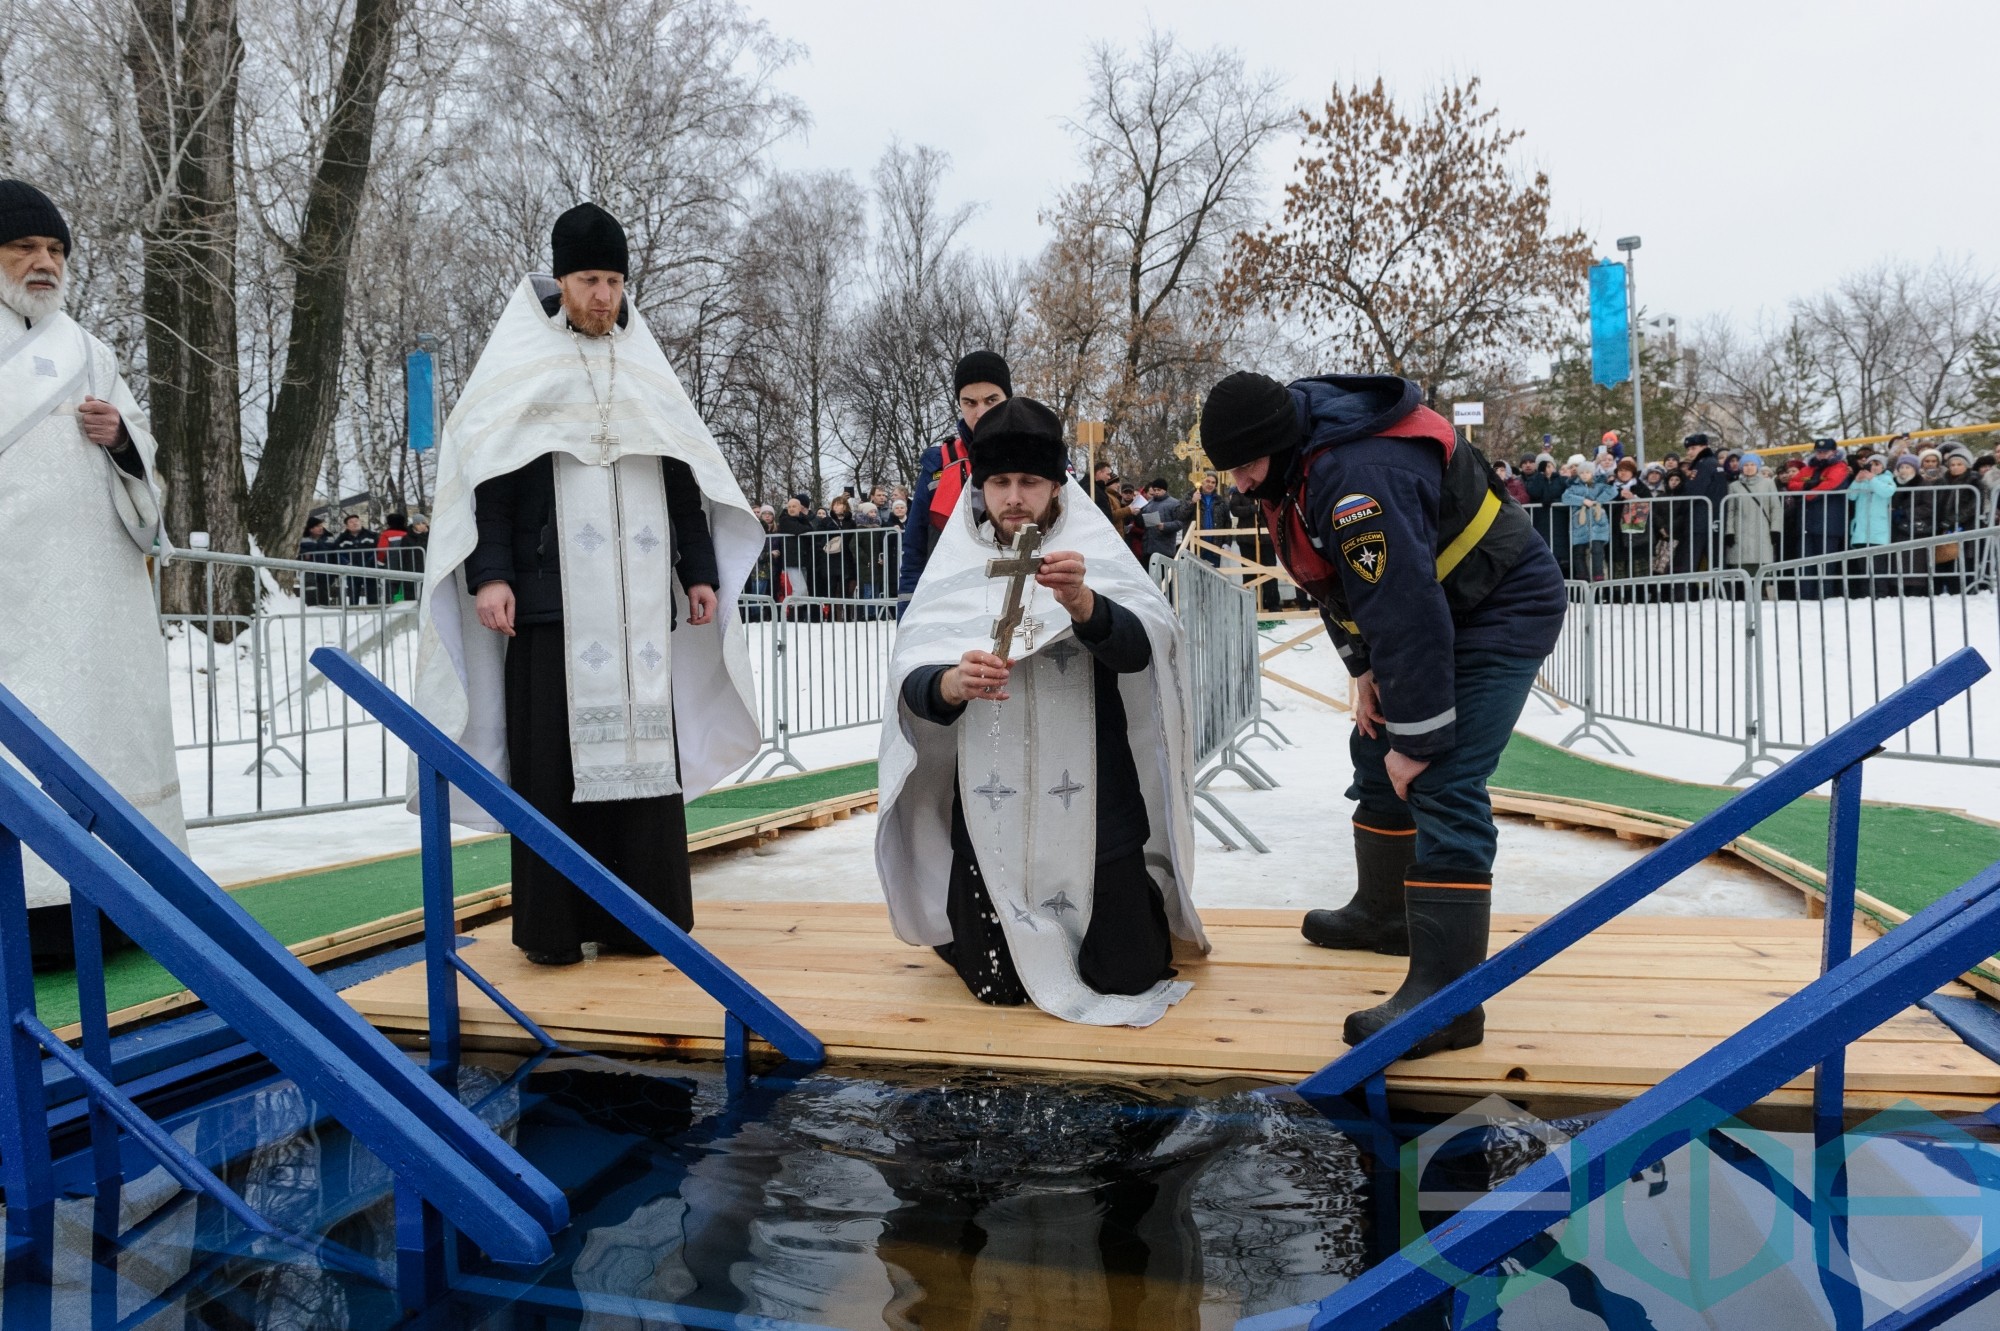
pixel 1304 822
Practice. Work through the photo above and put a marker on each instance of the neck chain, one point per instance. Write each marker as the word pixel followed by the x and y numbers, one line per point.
pixel 604 438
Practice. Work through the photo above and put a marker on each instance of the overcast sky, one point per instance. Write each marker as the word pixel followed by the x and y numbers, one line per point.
pixel 1760 149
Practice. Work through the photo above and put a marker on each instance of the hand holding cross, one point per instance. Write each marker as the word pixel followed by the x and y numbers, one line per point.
pixel 1022 562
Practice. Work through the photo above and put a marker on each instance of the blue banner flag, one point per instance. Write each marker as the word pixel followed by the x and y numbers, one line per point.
pixel 1610 346
pixel 420 379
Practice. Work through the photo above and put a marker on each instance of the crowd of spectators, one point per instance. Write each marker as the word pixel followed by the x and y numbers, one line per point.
pixel 399 547
pixel 1700 508
pixel 1704 508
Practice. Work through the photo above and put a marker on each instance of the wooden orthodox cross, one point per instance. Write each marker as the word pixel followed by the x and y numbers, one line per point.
pixel 1022 562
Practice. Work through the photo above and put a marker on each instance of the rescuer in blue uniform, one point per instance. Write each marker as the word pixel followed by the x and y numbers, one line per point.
pixel 1442 603
pixel 980 382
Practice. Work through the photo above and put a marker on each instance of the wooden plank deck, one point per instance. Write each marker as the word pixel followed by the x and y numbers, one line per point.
pixel 1610 1017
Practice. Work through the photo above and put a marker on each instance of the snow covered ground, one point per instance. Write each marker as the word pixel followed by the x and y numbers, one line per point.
pixel 1823 662
pixel 1304 821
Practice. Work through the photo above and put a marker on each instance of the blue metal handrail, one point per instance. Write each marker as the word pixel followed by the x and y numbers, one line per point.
pixel 217 917
pixel 292 1039
pixel 1825 761
pixel 442 763
pixel 1856 996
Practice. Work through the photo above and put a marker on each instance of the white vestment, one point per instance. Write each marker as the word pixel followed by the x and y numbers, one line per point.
pixel 1027 782
pixel 79 633
pixel 529 395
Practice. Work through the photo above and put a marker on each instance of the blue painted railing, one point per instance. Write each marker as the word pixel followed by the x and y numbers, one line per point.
pixel 1829 760
pixel 442 764
pixel 1854 994
pixel 118 863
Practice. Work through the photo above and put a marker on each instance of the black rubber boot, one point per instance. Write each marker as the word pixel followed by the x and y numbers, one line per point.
pixel 1448 928
pixel 1374 920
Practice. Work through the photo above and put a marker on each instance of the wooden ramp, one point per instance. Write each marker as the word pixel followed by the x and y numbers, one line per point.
pixel 1601 1023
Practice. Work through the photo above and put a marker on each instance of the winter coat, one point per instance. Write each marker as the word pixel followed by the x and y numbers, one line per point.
pixel 1819 516
pixel 1164 539
pixel 1589 524
pixel 1552 518
pixel 1872 499
pixel 1754 520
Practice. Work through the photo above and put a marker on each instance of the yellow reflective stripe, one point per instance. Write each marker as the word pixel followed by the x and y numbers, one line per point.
pixel 1350 626
pixel 1452 555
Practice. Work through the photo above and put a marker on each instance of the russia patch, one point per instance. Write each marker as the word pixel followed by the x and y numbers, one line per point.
pixel 1353 508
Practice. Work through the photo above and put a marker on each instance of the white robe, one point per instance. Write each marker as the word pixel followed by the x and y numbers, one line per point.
pixel 527 396
pixel 79 631
pixel 951 612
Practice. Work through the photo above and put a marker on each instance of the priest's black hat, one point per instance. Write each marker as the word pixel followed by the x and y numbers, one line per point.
pixel 1018 435
pixel 586 237
pixel 982 367
pixel 1247 416
pixel 26 211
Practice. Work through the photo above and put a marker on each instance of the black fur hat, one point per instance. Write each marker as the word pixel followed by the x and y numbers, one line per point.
pixel 1019 435
pixel 585 238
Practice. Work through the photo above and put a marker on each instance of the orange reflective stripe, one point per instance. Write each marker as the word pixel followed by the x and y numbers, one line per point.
pixel 1470 887
pixel 1385 831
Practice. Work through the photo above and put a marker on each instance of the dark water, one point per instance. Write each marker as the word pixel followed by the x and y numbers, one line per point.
pixel 951 1198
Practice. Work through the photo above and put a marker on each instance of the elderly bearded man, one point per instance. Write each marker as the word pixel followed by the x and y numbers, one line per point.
pixel 1035 809
pixel 580 635
pixel 79 637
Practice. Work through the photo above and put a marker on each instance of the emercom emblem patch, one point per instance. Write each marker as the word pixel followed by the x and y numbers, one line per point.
pixel 1367 554
pixel 1353 508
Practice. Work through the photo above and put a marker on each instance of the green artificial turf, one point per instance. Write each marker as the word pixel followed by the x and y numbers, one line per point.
pixel 312 905
pixel 1908 857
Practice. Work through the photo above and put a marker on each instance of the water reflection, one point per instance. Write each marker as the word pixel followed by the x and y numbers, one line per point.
pixel 947 1199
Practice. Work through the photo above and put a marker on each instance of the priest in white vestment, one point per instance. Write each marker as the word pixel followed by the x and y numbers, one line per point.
pixel 1035 825
pixel 79 634
pixel 580 633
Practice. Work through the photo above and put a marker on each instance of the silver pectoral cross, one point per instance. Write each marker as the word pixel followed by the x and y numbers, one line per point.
pixel 1022 562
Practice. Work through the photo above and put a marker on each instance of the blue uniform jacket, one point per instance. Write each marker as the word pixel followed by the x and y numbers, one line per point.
pixel 917 524
pixel 1388 491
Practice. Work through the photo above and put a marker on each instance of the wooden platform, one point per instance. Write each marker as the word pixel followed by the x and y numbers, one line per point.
pixel 1612 1016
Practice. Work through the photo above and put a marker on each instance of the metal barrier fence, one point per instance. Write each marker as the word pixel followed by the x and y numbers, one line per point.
pixel 1225 685
pixel 258 731
pixel 820 665
pixel 1668 534
pixel 846 563
pixel 1779 659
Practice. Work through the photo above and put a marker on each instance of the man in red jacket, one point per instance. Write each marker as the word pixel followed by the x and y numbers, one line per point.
pixel 1823 521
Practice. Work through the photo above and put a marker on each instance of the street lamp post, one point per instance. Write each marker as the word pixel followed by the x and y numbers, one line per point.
pixel 1628 245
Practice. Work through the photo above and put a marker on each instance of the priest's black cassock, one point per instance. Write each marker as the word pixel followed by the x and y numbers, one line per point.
pixel 642 841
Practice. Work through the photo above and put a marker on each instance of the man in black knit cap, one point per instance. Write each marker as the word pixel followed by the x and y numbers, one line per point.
pixel 1442 605
pixel 980 382
pixel 602 542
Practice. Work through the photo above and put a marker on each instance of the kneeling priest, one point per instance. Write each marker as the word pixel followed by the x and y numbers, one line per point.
pixel 1035 774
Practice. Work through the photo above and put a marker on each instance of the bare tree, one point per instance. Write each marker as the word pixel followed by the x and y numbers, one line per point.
pixel 1894 343
pixel 799 261
pixel 1169 139
pixel 923 311
pixel 302 419
pixel 1413 246
pixel 185 58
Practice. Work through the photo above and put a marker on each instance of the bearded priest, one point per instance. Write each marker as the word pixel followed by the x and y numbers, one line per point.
pixel 79 636
pixel 1035 824
pixel 580 631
